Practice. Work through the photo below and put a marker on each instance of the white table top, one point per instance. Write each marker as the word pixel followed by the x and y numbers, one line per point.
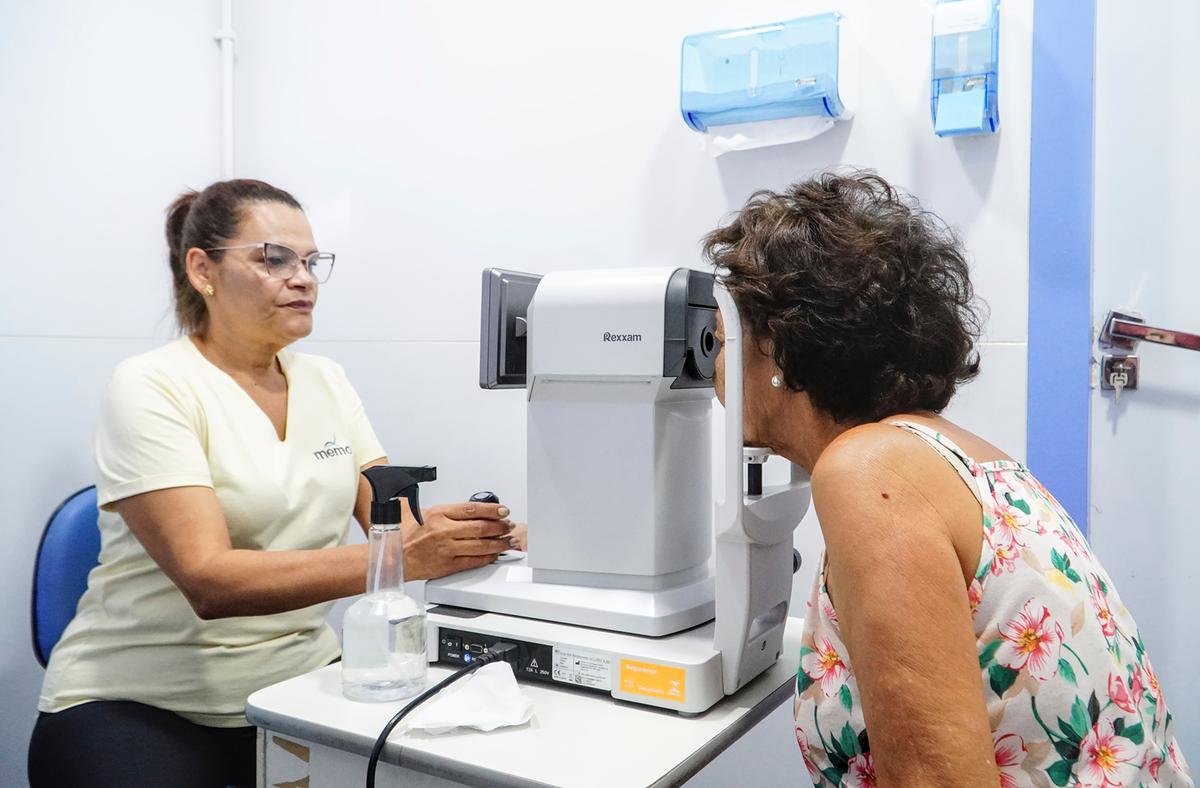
pixel 575 738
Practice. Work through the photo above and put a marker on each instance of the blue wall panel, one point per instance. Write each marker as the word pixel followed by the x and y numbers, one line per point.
pixel 1060 250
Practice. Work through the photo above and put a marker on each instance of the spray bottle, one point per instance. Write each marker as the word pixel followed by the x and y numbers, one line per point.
pixel 383 634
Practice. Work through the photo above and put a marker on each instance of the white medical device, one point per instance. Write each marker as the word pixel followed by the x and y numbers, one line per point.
pixel 634 584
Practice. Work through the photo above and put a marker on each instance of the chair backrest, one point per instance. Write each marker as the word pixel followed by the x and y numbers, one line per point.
pixel 70 547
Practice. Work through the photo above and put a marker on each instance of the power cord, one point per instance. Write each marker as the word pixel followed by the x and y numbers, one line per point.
pixel 500 651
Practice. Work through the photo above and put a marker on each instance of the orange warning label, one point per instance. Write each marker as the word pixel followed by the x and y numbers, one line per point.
pixel 655 681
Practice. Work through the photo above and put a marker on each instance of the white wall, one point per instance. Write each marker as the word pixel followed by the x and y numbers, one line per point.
pixel 428 140
pixel 109 111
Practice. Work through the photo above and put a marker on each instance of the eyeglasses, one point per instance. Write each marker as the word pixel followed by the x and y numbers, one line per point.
pixel 282 262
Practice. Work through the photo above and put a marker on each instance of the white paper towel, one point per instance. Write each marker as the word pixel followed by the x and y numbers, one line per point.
pixel 745 136
pixel 489 698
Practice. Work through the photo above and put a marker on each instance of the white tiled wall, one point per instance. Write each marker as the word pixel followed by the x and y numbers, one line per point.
pixel 428 140
pixel 109 111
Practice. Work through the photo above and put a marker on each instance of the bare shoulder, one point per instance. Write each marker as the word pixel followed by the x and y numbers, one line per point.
pixel 880 490
pixel 879 473
pixel 872 453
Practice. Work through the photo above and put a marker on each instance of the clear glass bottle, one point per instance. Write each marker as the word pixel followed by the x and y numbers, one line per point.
pixel 383 634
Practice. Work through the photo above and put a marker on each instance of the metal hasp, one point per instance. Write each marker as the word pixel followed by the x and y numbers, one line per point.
pixel 1124 330
pixel 1118 373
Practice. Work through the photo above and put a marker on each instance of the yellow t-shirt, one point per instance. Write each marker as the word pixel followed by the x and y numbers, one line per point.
pixel 173 419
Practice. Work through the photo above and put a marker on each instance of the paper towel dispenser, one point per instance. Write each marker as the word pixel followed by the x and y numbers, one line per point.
pixel 769 72
pixel 966 57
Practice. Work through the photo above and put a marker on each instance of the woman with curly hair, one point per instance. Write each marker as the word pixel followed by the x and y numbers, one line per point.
pixel 960 631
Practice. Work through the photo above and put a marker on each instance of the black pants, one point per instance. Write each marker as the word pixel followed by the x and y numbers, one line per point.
pixel 121 743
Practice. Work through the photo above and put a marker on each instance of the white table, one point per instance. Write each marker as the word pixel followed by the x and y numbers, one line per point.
pixel 308 730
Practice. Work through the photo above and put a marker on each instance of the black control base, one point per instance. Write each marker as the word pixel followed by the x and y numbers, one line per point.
pixel 534 660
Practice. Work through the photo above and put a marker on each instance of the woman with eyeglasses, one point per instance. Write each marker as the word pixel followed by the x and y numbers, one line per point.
pixel 228 468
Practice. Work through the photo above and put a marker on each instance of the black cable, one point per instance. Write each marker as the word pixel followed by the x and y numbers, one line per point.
pixel 500 651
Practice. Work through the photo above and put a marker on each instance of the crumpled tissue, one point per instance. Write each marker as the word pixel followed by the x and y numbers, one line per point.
pixel 489 698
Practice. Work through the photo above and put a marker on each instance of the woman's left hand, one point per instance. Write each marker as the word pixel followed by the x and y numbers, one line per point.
pixel 455 537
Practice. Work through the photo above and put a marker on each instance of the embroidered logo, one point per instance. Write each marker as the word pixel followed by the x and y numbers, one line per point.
pixel 333 450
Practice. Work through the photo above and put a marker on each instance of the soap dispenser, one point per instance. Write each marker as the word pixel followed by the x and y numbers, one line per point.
pixel 383 633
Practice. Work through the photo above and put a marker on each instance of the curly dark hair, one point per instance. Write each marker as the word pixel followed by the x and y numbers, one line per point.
pixel 863 298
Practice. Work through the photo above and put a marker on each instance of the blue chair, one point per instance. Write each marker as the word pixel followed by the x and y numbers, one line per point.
pixel 69 548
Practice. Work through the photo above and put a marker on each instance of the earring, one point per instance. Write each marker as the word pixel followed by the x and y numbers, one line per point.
pixel 209 290
pixel 776 381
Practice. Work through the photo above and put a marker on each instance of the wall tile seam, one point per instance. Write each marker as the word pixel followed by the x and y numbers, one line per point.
pixel 314 343
pixel 93 338
pixel 311 342
pixel 80 337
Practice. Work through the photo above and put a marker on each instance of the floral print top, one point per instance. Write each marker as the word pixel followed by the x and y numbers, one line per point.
pixel 1071 693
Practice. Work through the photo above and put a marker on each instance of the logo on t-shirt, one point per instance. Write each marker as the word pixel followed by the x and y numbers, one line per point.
pixel 333 450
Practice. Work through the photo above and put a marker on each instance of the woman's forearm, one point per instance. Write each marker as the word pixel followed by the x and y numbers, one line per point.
pixel 260 582
pixel 184 531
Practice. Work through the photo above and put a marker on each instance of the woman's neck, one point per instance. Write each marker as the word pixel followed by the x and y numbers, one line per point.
pixel 806 432
pixel 236 356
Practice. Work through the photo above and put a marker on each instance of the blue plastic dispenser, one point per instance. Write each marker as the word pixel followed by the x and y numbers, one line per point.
pixel 768 72
pixel 966 56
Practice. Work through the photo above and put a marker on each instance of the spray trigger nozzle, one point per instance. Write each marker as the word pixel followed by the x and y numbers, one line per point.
pixel 390 483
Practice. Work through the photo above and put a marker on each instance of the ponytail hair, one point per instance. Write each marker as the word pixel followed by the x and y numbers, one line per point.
pixel 191 313
pixel 203 220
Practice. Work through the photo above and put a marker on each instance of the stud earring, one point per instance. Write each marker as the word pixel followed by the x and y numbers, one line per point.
pixel 209 290
pixel 776 381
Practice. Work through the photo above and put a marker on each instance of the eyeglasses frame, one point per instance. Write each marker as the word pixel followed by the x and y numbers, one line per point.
pixel 302 260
